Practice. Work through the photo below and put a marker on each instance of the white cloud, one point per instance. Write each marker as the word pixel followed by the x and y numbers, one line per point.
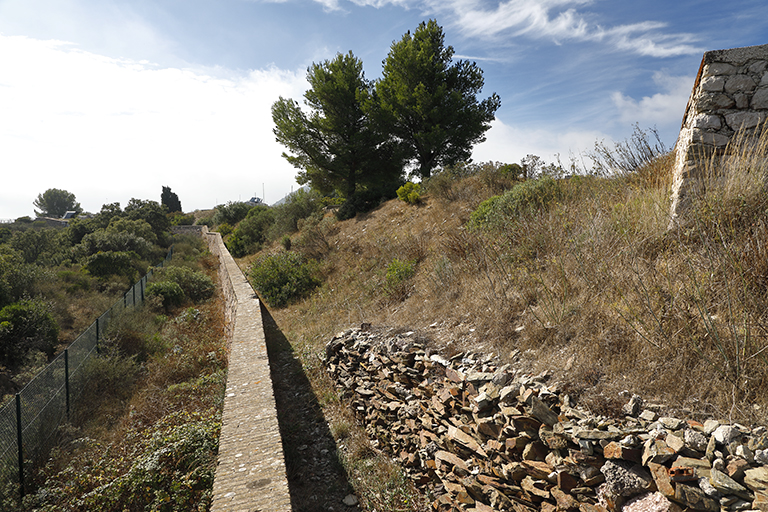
pixel 663 108
pixel 109 130
pixel 510 144
pixel 558 20
pixel 108 28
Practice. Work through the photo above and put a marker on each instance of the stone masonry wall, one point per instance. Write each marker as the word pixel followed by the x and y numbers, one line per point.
pixel 730 94
pixel 250 476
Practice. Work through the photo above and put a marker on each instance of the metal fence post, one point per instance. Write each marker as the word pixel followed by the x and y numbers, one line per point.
pixel 21 444
pixel 97 335
pixel 66 377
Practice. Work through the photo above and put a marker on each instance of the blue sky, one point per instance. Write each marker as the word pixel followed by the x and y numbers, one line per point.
pixel 113 99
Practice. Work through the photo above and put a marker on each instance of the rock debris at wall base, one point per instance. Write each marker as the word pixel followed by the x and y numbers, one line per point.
pixel 479 437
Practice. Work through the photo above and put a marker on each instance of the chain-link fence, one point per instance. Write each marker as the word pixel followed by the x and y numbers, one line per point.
pixel 29 423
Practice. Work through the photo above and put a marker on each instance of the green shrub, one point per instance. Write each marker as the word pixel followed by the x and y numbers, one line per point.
pixel 171 469
pixel 225 229
pixel 74 280
pixel 281 278
pixel 251 233
pixel 397 280
pixel 205 221
pixel 106 240
pixel 170 293
pixel 231 213
pixel 410 193
pixel 110 263
pixel 196 285
pixel 299 205
pixel 25 326
pixel 180 219
pixel 286 242
pixel 525 197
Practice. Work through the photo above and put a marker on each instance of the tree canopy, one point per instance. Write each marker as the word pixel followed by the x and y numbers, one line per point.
pixel 55 202
pixel 335 145
pixel 430 104
pixel 170 200
pixel 358 135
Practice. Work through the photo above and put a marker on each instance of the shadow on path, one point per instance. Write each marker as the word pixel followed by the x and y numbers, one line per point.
pixel 316 479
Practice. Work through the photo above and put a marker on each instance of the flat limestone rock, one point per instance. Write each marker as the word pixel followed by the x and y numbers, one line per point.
pixel 757 478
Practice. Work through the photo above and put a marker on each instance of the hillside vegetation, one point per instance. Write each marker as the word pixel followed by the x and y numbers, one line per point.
pixel 579 276
pixel 145 433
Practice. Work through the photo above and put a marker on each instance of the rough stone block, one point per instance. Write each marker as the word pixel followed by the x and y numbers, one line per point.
pixel 625 479
pixel 650 502
pixel 694 498
pixel 739 83
pixel 743 120
pixel 757 479
pixel 760 100
pixel 718 68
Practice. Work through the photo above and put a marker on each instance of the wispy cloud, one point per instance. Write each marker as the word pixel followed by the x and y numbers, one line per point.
pixel 557 20
pixel 563 20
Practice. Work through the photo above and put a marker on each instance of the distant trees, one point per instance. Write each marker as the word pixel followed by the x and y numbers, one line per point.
pixel 359 134
pixel 55 202
pixel 170 200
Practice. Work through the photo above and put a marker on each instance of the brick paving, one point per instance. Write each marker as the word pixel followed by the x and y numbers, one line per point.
pixel 250 476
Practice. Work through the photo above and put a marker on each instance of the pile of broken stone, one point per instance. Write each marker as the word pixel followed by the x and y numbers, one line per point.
pixel 477 436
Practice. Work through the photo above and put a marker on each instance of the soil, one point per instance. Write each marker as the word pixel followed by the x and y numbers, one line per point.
pixel 316 478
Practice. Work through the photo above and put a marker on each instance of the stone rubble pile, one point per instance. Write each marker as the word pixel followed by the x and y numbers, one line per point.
pixel 480 437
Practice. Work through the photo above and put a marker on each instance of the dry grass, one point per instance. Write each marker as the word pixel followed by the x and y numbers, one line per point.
pixel 594 288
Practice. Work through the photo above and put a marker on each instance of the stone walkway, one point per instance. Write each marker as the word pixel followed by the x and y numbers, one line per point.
pixel 250 475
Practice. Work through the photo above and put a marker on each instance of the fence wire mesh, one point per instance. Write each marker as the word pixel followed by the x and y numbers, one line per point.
pixel 45 399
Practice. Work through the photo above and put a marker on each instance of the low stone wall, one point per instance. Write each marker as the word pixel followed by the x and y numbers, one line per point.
pixel 250 475
pixel 730 94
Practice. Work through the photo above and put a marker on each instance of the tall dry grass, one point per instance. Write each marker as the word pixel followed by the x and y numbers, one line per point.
pixel 593 287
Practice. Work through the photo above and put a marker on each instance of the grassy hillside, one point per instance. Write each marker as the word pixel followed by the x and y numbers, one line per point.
pixel 579 277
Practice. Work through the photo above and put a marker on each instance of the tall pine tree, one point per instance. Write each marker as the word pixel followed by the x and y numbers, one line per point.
pixel 430 103
pixel 335 145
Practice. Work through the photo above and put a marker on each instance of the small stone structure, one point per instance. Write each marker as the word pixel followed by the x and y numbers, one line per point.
pixel 250 476
pixel 730 94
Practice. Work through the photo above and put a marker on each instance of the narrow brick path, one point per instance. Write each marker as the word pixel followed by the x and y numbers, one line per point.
pixel 251 474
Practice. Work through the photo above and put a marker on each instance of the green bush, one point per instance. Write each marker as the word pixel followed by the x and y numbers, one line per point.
pixel 171 468
pixel 225 229
pixel 526 197
pixel 231 213
pixel 281 278
pixel 104 240
pixel 74 280
pixel 251 233
pixel 410 193
pixel 170 293
pixel 110 263
pixel 299 205
pixel 397 280
pixel 180 219
pixel 24 326
pixel 205 221
pixel 195 285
